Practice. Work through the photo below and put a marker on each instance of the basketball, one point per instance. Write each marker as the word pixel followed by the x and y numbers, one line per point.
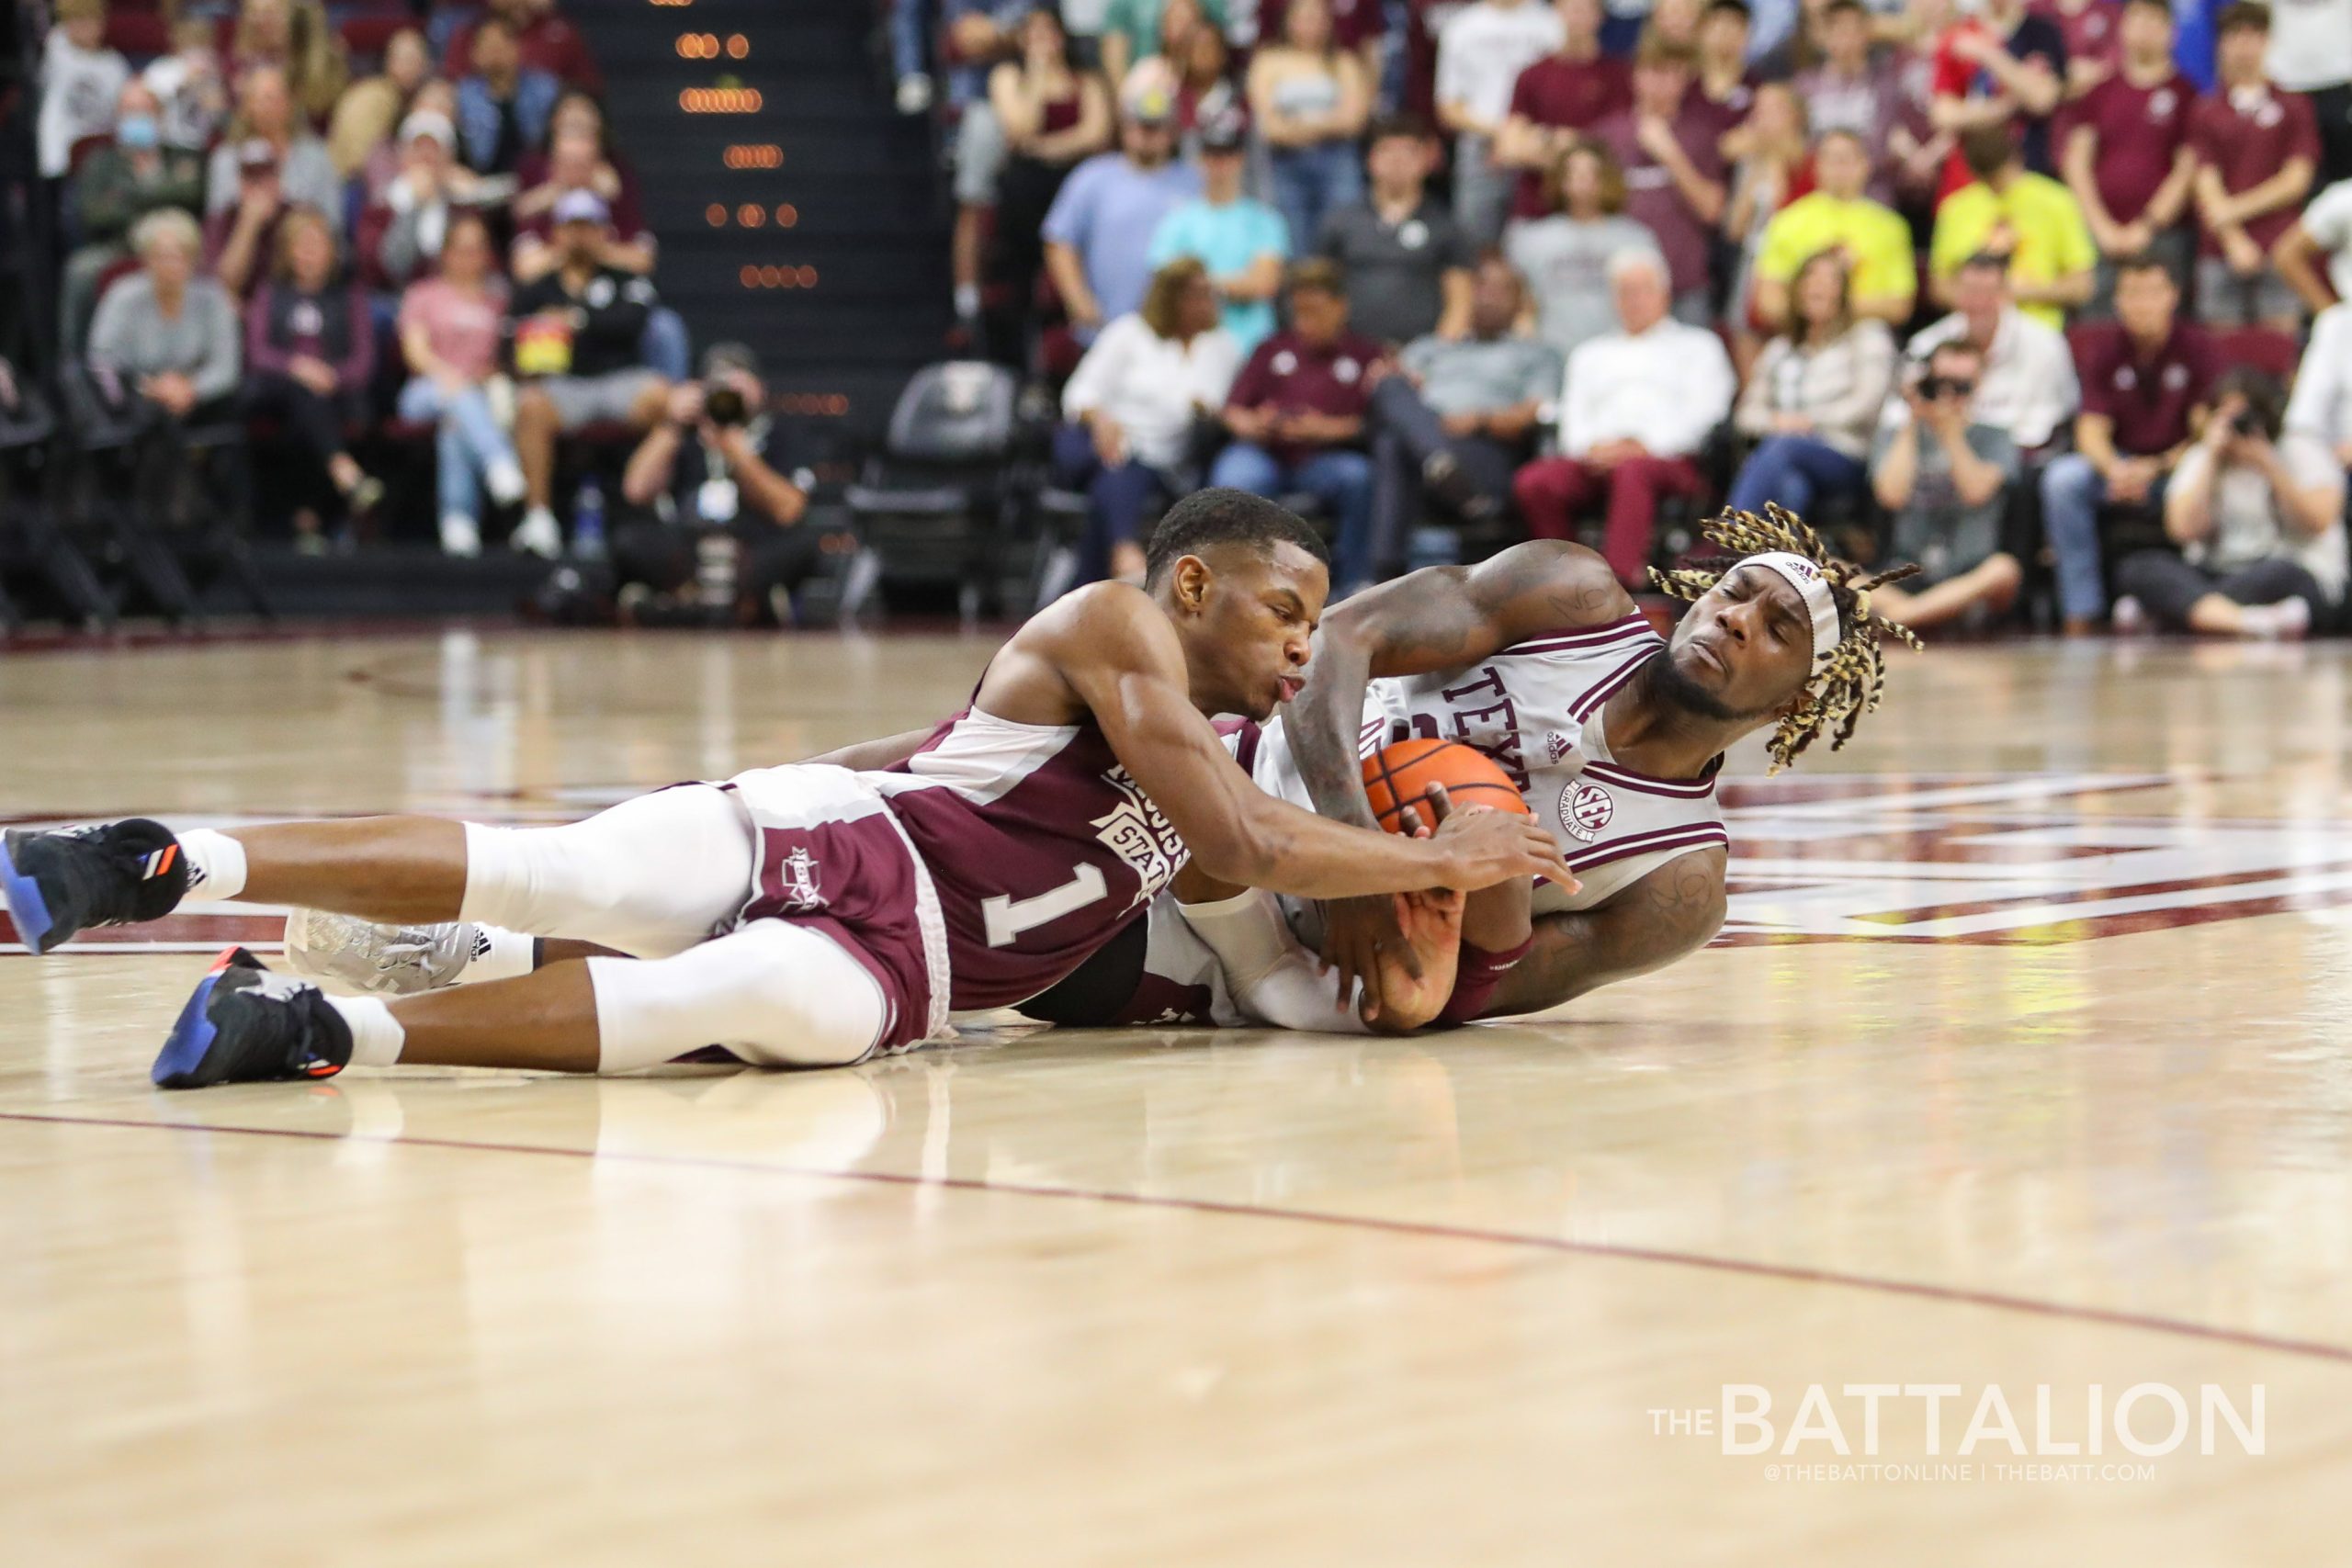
pixel 1404 772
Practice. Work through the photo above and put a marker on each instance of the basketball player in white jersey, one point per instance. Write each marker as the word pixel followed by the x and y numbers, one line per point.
pixel 810 915
pixel 1538 659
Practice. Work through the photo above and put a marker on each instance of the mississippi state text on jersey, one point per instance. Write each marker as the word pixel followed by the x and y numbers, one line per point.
pixel 1041 845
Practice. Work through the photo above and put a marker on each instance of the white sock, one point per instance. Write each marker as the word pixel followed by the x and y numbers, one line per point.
pixel 967 299
pixel 377 1036
pixel 501 955
pixel 2287 618
pixel 216 864
pixel 539 517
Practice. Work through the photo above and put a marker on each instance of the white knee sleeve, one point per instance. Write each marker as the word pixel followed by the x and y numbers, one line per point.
pixel 651 876
pixel 1271 974
pixel 774 993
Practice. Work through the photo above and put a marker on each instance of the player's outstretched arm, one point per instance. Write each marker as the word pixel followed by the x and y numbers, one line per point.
pixel 1442 618
pixel 873 756
pixel 1674 910
pixel 1121 660
pixel 1438 619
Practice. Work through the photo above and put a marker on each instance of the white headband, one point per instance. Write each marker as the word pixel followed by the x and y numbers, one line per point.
pixel 1812 587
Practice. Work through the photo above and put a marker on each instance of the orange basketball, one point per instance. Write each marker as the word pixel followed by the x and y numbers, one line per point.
pixel 1402 774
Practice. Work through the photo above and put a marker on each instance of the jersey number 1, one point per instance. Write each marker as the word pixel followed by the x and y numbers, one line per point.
pixel 1008 917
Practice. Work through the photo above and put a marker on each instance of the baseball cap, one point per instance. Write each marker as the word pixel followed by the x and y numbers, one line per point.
pixel 1149 95
pixel 432 123
pixel 581 207
pixel 1226 131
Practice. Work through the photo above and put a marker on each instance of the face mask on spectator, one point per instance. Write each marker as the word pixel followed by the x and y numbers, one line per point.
pixel 138 131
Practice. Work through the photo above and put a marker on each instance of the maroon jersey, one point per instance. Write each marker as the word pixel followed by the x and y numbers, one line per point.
pixel 2091 33
pixel 2137 132
pixel 1289 373
pixel 2150 401
pixel 1040 844
pixel 2248 134
pixel 1577 94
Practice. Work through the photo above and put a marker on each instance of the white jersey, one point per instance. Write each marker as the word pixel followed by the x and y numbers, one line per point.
pixel 1535 709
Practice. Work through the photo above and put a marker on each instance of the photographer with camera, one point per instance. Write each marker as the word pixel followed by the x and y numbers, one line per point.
pixel 711 531
pixel 2258 517
pixel 1943 476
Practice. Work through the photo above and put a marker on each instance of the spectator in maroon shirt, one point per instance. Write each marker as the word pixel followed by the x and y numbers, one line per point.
pixel 580 156
pixel 1674 174
pixel 2094 40
pixel 1858 88
pixel 1557 97
pixel 310 347
pixel 1297 415
pixel 545 41
pixel 1423 19
pixel 2127 155
pixel 2257 150
pixel 2144 378
pixel 1723 85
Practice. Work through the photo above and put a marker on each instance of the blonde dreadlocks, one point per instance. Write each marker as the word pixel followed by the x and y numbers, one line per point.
pixel 1848 683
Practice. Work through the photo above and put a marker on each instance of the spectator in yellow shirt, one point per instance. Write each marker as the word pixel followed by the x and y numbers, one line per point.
pixel 2031 218
pixel 1837 217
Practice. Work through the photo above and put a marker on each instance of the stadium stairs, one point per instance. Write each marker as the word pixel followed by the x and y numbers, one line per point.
pixel 798 213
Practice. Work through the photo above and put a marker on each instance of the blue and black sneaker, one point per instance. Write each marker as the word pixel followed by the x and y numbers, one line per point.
pixel 247 1025
pixel 111 873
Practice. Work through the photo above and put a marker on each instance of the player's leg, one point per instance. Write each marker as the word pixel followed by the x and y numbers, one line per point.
pixel 408 960
pixel 774 993
pixel 127 873
pixel 651 876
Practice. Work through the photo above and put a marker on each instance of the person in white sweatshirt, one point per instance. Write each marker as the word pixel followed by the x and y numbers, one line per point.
pixel 2322 406
pixel 1131 405
pixel 1637 406
pixel 80 80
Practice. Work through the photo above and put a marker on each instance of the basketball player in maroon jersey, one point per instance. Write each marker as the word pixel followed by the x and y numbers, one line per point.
pixel 1537 658
pixel 812 915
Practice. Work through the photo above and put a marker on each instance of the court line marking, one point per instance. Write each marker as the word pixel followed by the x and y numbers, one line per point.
pixel 1427 1230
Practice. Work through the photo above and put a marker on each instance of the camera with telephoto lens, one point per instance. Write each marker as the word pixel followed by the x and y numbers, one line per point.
pixel 724 406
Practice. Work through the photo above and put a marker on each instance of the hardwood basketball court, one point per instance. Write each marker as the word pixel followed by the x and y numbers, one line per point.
pixel 2022 1067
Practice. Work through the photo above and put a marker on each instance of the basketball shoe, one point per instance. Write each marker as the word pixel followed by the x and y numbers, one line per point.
pixel 392 961
pixel 244 1024
pixel 110 874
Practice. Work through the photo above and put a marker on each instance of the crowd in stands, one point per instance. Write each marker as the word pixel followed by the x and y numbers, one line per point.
pixel 392 221
pixel 2046 294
